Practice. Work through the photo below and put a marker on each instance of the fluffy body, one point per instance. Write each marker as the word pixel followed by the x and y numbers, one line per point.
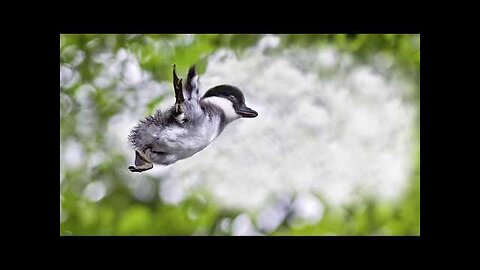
pixel 166 137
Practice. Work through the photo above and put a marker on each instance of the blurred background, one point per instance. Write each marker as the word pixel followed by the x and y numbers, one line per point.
pixel 335 149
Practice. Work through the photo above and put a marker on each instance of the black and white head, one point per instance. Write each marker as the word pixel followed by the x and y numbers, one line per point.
pixel 231 100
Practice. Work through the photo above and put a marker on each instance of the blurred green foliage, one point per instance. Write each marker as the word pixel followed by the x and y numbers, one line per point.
pixel 121 213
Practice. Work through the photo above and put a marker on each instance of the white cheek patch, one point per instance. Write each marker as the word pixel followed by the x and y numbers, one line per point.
pixel 226 106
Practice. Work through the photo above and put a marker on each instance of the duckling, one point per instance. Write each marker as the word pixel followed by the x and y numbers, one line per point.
pixel 188 126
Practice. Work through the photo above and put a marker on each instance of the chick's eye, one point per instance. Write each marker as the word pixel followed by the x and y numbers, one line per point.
pixel 231 97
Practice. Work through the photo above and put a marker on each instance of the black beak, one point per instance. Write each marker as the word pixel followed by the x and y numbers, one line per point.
pixel 246 112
